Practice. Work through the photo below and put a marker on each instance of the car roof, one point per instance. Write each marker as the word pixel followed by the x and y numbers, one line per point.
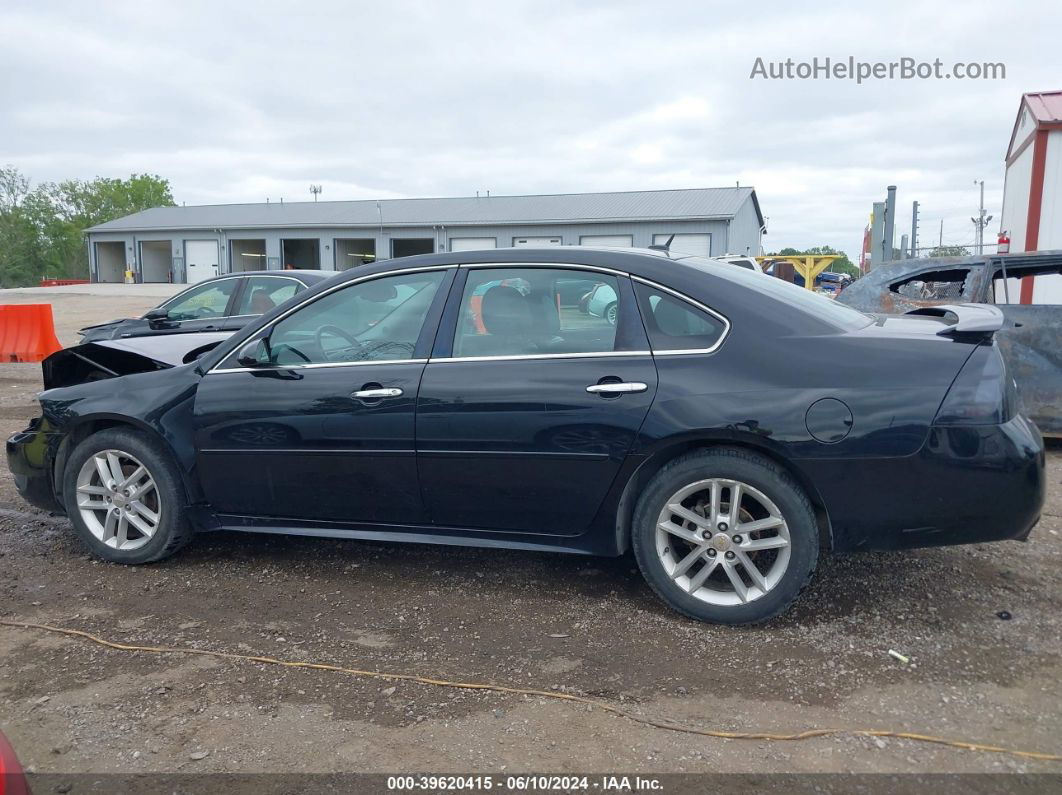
pixel 306 276
pixel 900 268
pixel 636 261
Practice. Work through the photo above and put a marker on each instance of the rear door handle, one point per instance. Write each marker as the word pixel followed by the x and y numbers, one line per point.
pixel 617 389
pixel 377 394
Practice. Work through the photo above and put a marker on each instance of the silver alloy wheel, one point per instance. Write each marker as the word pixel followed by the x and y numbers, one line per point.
pixel 611 314
pixel 723 541
pixel 118 500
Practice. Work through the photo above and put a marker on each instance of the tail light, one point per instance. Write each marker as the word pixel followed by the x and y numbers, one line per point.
pixel 982 394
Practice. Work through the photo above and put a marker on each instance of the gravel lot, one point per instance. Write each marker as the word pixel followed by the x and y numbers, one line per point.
pixel 583 625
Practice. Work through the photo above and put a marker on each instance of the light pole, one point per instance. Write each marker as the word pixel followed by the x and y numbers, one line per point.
pixel 981 221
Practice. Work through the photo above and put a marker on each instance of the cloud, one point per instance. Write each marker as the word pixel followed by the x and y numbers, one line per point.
pixel 240 101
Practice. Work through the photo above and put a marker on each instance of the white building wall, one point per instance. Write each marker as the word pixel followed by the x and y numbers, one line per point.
pixel 1016 199
pixel 1051 208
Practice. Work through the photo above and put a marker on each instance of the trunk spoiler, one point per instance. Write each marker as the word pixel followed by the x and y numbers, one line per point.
pixel 981 319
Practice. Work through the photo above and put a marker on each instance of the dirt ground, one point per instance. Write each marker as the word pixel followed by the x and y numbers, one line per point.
pixel 581 625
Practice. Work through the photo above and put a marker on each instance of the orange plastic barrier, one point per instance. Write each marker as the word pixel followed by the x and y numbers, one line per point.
pixel 62 282
pixel 27 333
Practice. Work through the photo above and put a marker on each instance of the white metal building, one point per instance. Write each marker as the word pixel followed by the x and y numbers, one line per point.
pixel 189 244
pixel 1032 192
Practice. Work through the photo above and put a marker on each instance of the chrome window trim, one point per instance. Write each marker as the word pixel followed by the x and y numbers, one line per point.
pixel 533 356
pixel 682 297
pixel 544 265
pixel 219 369
pixel 316 366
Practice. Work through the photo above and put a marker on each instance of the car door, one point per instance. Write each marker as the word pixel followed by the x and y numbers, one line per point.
pixel 313 418
pixel 204 307
pixel 258 295
pixel 529 407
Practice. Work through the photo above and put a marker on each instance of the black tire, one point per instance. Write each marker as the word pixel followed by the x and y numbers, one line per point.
pixel 173 530
pixel 760 473
pixel 611 313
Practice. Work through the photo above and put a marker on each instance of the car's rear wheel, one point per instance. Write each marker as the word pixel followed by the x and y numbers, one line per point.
pixel 125 498
pixel 612 313
pixel 726 536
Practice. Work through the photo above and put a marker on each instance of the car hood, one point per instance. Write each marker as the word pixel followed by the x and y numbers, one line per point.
pixel 96 361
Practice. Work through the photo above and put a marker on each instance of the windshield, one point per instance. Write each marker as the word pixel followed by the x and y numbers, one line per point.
pixel 826 309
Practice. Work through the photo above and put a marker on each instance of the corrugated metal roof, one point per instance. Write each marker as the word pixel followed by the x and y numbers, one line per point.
pixel 697 203
pixel 1046 106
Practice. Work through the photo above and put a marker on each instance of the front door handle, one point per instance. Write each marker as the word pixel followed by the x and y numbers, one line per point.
pixel 377 394
pixel 617 389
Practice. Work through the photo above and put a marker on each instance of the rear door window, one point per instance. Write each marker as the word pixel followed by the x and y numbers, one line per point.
pixel 1035 286
pixel 263 293
pixel 537 311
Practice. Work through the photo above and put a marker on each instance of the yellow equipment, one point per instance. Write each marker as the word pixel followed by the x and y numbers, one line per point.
pixel 807 265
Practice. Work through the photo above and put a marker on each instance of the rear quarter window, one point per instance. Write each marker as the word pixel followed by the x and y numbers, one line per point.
pixel 674 324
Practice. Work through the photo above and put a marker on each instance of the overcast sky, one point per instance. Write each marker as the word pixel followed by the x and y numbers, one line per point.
pixel 238 102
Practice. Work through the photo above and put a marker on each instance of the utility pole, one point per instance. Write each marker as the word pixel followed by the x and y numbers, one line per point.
pixel 981 221
pixel 316 191
pixel 914 229
pixel 940 240
pixel 877 235
pixel 890 224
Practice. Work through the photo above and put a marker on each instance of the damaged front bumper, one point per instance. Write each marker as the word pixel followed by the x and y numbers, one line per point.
pixel 30 457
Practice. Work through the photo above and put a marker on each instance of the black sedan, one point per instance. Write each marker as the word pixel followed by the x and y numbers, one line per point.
pixel 727 427
pixel 225 303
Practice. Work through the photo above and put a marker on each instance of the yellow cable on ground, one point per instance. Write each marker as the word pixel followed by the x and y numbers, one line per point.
pixel 524 691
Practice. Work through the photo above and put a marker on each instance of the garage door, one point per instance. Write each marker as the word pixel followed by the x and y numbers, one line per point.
pixel 202 258
pixel 524 242
pixel 607 240
pixel 698 245
pixel 472 243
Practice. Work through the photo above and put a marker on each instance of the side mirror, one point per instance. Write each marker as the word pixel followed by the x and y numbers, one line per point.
pixel 157 316
pixel 253 354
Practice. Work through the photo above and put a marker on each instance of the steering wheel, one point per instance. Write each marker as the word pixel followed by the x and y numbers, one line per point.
pixel 335 331
pixel 205 311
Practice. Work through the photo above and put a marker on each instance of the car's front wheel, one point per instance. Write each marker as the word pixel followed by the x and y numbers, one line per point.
pixel 125 498
pixel 726 536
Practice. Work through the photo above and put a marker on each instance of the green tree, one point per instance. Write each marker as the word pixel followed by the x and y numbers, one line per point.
pixel 840 265
pixel 19 238
pixel 42 230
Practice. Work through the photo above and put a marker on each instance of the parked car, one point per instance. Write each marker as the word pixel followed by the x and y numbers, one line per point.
pixel 742 261
pixel 225 303
pixel 832 282
pixel 727 427
pixel 604 303
pixel 1030 298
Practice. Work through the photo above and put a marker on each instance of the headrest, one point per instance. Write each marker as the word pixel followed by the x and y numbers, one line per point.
pixel 506 312
pixel 261 302
pixel 671 318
